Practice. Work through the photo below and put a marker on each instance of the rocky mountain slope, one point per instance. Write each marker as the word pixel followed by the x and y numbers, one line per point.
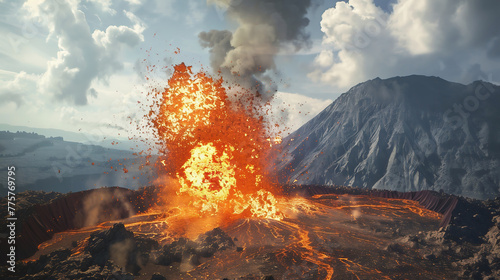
pixel 404 133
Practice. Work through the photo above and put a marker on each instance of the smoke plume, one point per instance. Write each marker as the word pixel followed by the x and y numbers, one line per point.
pixel 105 205
pixel 246 57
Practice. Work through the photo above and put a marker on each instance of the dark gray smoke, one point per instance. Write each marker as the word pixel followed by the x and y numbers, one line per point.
pixel 246 56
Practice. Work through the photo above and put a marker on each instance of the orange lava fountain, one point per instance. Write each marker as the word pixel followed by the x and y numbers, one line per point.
pixel 216 149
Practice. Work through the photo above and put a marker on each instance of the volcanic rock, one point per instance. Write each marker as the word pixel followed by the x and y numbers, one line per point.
pixel 48 262
pixel 41 215
pixel 472 219
pixel 395 248
pixel 212 241
pixel 485 263
pixel 176 251
pixel 468 245
pixel 471 240
pixel 158 276
pixel 206 245
pixel 100 242
pixel 27 199
pixel 402 134
pixel 144 247
pixel 254 277
pixel 120 245
pixel 109 254
pixel 61 265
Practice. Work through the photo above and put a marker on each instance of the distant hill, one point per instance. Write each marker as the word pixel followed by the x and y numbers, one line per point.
pixel 53 164
pixel 80 137
pixel 404 133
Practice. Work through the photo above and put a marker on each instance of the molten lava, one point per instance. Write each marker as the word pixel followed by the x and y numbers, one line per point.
pixel 326 236
pixel 216 152
pixel 215 148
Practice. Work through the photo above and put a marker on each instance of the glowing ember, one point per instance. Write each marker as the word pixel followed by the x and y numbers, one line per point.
pixel 215 148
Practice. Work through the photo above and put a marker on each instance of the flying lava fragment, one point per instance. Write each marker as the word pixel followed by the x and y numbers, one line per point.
pixel 216 149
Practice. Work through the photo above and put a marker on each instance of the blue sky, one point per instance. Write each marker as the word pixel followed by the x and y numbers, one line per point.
pixel 80 65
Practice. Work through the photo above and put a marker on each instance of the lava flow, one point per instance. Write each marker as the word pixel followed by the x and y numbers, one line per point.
pixel 214 152
pixel 322 237
pixel 215 148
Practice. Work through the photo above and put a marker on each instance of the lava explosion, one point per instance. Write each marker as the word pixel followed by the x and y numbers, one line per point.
pixel 214 147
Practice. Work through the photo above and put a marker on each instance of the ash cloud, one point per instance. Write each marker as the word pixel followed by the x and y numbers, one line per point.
pixel 246 56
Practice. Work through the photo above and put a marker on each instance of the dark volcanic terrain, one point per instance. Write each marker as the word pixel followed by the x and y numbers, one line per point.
pixel 328 233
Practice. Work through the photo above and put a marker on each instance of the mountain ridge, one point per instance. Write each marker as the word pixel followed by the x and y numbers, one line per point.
pixel 403 133
pixel 53 164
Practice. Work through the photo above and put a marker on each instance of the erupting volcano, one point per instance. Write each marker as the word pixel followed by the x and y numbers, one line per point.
pixel 215 148
pixel 215 213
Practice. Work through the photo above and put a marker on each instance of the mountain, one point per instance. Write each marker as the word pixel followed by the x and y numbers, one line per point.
pixel 404 133
pixel 86 138
pixel 53 164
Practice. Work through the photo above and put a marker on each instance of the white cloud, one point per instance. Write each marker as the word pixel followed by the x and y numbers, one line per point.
pixel 325 58
pixel 197 12
pixel 107 114
pixel 83 56
pixel 133 2
pixel 448 38
pixel 82 66
pixel 154 9
pixel 105 5
pixel 12 91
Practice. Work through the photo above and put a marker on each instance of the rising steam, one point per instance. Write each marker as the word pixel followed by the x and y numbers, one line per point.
pixel 96 207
